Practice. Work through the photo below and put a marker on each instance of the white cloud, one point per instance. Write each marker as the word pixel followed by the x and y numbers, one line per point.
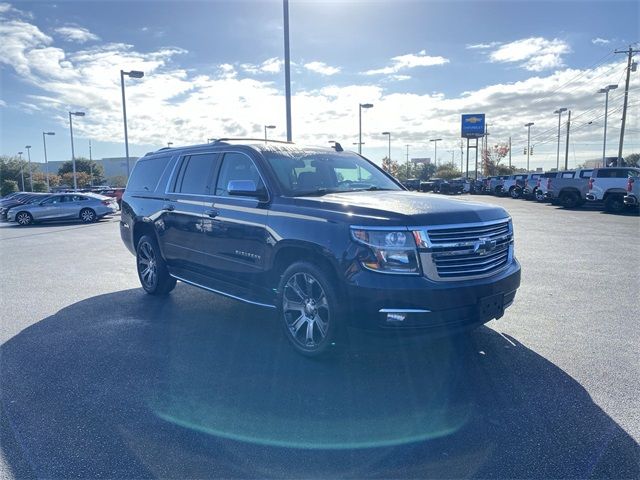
pixel 600 41
pixel 410 60
pixel 535 53
pixel 270 65
pixel 321 68
pixel 400 78
pixel 3 103
pixel 76 34
pixel 481 46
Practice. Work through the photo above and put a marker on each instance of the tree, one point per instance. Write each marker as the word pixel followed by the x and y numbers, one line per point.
pixel 426 171
pixel 11 168
pixel 8 186
pixel 117 181
pixel 632 160
pixel 39 186
pixel 390 166
pixel 447 171
pixel 83 179
pixel 40 177
pixel 86 166
pixel 492 156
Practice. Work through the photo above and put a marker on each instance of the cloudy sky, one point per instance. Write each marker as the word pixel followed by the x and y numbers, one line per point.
pixel 214 69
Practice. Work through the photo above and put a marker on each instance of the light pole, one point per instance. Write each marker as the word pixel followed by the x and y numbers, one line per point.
pixel 73 155
pixel 388 134
pixel 270 127
pixel 131 74
pixel 435 154
pixel 287 68
pixel 606 91
pixel 528 125
pixel 361 106
pixel 21 170
pixel 28 147
pixel 559 112
pixel 46 162
pixel 169 144
pixel 90 165
pixel 407 160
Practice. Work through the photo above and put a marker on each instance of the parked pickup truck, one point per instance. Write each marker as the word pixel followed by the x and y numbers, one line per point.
pixel 543 181
pixel 513 185
pixel 493 185
pixel 530 185
pixel 632 198
pixel 325 238
pixel 570 188
pixel 609 185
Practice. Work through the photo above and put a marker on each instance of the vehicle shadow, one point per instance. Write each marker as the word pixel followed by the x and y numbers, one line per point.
pixel 194 385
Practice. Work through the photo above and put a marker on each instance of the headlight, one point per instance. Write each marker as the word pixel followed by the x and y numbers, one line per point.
pixel 391 251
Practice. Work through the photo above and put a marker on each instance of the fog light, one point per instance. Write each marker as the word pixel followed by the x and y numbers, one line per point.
pixel 396 317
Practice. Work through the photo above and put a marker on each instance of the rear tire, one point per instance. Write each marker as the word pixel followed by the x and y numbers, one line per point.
pixel 514 192
pixel 309 310
pixel 614 203
pixel 87 215
pixel 152 269
pixel 539 196
pixel 569 200
pixel 24 218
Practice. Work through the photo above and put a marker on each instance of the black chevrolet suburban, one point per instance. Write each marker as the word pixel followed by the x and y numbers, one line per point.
pixel 323 236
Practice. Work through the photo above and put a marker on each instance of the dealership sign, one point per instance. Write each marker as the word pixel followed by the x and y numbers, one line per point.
pixel 473 125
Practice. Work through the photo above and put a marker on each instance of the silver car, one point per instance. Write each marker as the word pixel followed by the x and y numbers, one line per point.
pixel 86 207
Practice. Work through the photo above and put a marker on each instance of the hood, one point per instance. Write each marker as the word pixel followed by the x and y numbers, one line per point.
pixel 403 208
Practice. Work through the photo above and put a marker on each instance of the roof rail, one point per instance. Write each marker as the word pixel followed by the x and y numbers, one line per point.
pixel 251 139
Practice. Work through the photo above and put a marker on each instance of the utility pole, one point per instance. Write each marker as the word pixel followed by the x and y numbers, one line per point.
pixel 630 53
pixel 407 160
pixel 528 125
pixel 510 154
pixel 91 165
pixel 566 152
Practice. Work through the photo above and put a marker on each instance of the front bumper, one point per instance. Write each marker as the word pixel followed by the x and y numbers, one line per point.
pixel 377 301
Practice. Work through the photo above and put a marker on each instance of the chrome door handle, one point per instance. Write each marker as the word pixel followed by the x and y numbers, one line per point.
pixel 213 213
pixel 168 207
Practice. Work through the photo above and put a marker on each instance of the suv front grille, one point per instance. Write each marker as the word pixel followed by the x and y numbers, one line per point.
pixel 467 251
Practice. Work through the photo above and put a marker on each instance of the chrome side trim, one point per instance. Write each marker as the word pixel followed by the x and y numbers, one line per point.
pixel 224 294
pixel 403 310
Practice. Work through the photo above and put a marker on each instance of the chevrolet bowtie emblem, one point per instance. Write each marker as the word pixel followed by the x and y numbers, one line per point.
pixel 484 245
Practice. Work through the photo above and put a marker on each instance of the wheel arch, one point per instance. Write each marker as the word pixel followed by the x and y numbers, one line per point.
pixel 291 252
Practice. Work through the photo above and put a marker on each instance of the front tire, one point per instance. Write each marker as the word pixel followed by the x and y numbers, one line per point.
pixel 309 309
pixel 514 192
pixel 87 215
pixel 569 200
pixel 152 269
pixel 24 218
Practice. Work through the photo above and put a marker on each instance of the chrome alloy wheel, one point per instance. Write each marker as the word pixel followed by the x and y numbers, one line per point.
pixel 87 215
pixel 306 310
pixel 147 264
pixel 23 218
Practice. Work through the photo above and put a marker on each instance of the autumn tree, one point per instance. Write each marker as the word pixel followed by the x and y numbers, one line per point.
pixel 492 156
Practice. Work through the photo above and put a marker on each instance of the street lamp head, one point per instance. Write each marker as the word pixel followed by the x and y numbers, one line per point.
pixel 20 153
pixel 386 133
pixel 603 90
pixel 27 147
pixel 77 114
pixel 612 87
pixel 529 124
pixel 135 74
pixel 49 133
pixel 435 140
pixel 366 105
pixel 560 110
pixel 269 126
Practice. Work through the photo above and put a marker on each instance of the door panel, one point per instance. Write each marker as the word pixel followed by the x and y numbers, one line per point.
pixel 180 223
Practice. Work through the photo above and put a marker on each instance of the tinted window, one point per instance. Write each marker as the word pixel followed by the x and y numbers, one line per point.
pixel 53 200
pixel 236 166
pixel 147 173
pixel 78 198
pixel 195 174
pixel 586 173
pixel 568 174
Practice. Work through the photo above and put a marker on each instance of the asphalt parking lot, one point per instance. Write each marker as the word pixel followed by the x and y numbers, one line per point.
pixel 100 380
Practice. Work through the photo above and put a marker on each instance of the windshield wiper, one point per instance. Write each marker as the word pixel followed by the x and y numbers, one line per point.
pixel 318 192
pixel 372 188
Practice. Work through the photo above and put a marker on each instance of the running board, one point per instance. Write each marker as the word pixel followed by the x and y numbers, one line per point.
pixel 224 294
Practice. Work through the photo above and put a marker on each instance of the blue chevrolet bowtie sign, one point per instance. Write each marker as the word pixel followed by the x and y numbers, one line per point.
pixel 473 125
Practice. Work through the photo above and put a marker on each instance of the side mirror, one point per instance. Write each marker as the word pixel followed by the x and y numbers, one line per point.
pixel 244 188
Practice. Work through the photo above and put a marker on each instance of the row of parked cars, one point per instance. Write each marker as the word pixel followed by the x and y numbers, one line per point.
pixel 616 188
pixel 26 208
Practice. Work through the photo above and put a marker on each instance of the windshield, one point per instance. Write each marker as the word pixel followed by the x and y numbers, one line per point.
pixel 304 172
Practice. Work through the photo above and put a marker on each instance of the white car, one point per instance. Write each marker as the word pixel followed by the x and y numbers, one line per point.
pixel 609 185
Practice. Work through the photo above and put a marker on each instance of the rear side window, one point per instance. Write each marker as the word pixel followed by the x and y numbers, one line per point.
pixel 147 173
pixel 568 174
pixel 194 176
pixel 586 173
